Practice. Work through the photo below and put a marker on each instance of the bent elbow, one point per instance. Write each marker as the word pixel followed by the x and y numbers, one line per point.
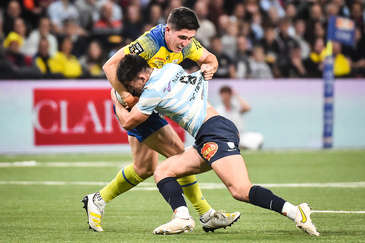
pixel 106 67
pixel 128 126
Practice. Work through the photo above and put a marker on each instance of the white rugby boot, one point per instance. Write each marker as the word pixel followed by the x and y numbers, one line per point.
pixel 304 221
pixel 175 226
pixel 219 219
pixel 94 213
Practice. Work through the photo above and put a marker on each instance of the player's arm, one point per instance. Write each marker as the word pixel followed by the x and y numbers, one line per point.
pixel 128 120
pixel 110 69
pixel 208 64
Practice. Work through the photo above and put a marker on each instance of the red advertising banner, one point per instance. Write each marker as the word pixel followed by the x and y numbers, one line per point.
pixel 77 116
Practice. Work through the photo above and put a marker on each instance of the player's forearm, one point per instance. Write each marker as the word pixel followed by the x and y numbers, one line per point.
pixel 212 61
pixel 208 65
pixel 124 117
pixel 110 69
pixel 122 114
pixel 127 119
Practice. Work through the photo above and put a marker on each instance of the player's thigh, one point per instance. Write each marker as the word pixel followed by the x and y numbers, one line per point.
pixel 165 141
pixel 145 159
pixel 233 172
pixel 187 163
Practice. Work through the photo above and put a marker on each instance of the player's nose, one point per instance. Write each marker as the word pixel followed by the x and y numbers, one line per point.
pixel 185 43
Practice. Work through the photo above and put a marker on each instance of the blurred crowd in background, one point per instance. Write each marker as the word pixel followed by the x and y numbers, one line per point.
pixel 252 39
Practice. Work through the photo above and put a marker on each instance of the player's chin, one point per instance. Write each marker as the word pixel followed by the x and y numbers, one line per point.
pixel 178 50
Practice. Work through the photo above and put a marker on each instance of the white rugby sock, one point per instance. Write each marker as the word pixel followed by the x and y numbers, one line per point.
pixel 289 210
pixel 182 212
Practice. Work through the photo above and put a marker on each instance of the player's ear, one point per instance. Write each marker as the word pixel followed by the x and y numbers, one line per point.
pixel 141 77
pixel 144 79
pixel 167 29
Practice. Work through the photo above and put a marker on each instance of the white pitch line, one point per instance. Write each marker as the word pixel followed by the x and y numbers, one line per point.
pixel 151 187
pixel 148 186
pixel 33 163
pixel 330 211
pixel 319 185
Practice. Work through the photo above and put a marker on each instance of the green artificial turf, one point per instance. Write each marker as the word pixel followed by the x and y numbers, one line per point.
pixel 41 202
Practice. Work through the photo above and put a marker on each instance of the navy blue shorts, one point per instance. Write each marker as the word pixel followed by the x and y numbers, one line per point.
pixel 217 138
pixel 153 123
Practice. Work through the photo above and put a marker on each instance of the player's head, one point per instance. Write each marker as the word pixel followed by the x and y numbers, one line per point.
pixel 133 72
pixel 181 27
pixel 183 18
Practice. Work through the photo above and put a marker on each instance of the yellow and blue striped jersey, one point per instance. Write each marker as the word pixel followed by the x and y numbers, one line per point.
pixel 152 47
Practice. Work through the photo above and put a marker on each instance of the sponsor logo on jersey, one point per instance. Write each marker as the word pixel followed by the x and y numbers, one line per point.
pixel 159 64
pixel 209 150
pixel 188 79
pixel 168 88
pixel 136 48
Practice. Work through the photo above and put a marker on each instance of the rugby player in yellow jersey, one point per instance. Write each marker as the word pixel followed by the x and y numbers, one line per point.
pixel 170 43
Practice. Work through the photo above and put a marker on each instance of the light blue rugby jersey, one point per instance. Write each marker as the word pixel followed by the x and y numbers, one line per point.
pixel 178 95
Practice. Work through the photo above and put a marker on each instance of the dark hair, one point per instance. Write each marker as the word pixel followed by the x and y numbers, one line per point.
pixel 130 66
pixel 225 89
pixel 183 18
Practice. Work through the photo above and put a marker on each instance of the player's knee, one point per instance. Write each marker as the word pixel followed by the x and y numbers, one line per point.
pixel 144 171
pixel 240 193
pixel 161 172
pixel 158 174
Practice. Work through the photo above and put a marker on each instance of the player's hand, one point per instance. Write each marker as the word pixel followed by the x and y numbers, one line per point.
pixel 113 97
pixel 128 102
pixel 208 71
pixel 131 100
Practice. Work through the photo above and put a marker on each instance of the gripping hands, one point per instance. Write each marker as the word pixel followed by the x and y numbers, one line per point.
pixel 128 102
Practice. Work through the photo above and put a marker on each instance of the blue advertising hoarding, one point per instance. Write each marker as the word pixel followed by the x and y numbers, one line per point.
pixel 341 30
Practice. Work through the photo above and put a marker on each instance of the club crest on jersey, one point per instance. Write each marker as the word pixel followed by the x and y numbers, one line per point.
pixel 230 144
pixel 136 48
pixel 209 150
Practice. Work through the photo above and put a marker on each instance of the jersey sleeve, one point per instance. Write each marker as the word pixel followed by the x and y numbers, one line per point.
pixel 193 51
pixel 145 46
pixel 148 101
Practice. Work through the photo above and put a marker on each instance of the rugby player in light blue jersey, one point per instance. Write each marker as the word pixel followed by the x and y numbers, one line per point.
pixel 183 97
pixel 163 44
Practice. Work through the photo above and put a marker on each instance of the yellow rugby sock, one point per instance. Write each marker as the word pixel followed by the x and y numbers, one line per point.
pixel 125 180
pixel 192 191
